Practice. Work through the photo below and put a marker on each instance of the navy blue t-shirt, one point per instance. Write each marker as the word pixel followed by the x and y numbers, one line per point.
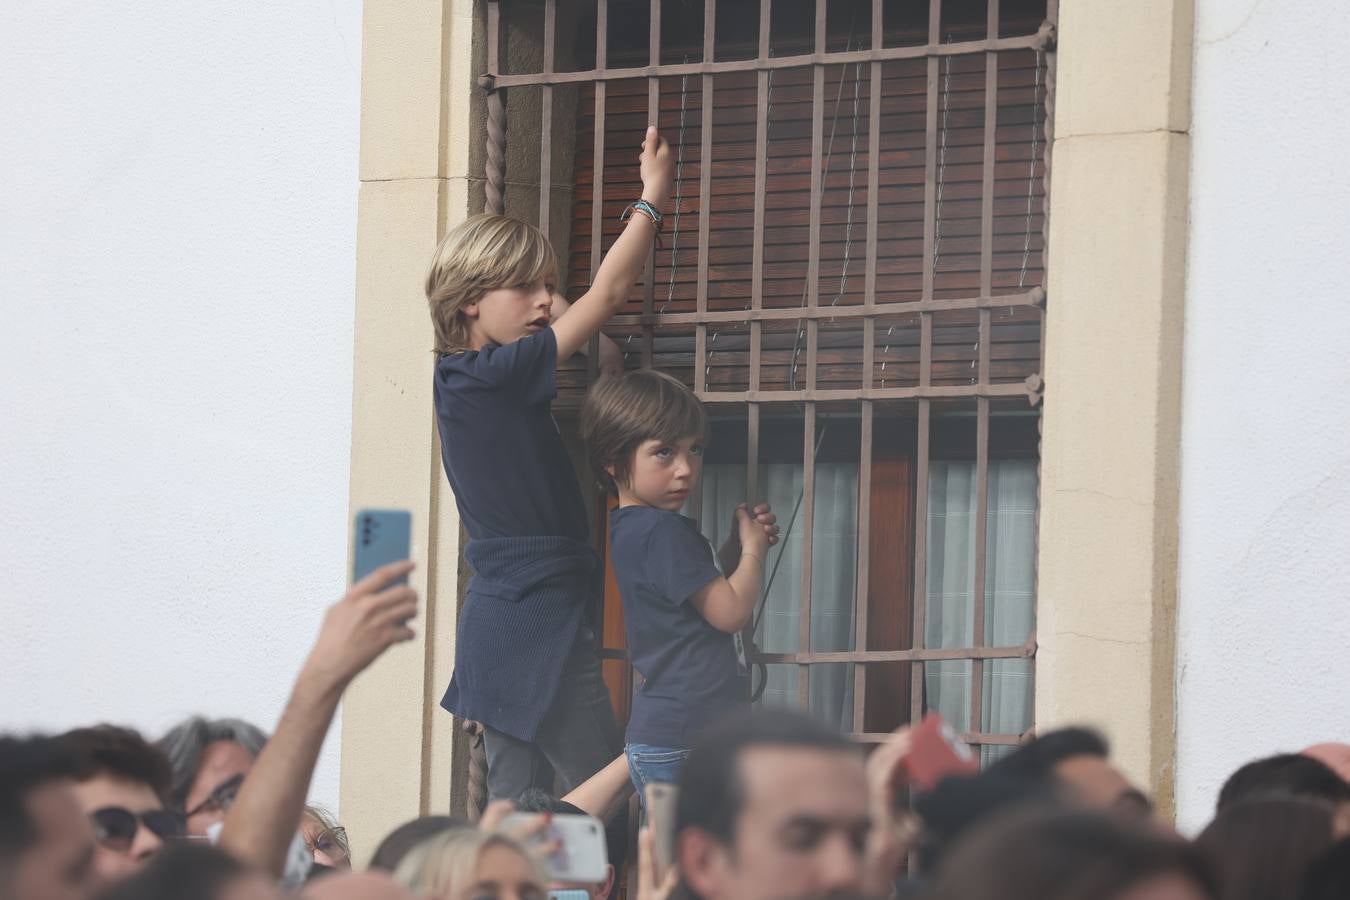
pixel 690 670
pixel 501 448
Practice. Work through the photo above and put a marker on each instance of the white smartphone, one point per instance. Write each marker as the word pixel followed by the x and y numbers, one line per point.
pixel 581 857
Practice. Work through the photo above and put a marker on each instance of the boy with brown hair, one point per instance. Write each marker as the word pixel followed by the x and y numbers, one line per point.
pixel 644 435
pixel 526 666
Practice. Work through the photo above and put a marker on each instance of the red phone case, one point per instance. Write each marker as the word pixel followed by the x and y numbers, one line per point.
pixel 937 753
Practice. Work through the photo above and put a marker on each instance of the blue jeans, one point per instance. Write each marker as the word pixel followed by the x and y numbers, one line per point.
pixel 648 764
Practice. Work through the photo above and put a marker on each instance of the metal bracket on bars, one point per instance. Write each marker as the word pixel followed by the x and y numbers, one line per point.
pixel 1035 385
pixel 1047 37
pixel 488 83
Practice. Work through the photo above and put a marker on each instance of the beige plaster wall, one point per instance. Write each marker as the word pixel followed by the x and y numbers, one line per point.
pixel 1109 467
pixel 420 137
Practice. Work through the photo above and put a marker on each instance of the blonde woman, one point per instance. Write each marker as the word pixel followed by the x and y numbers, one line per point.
pixel 468 864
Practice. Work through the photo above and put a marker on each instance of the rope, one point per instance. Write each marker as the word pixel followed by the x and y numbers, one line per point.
pixel 941 179
pixel 829 153
pixel 679 192
pixel 768 106
pixel 1031 171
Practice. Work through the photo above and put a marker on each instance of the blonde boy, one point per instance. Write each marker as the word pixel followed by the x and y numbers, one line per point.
pixel 526 665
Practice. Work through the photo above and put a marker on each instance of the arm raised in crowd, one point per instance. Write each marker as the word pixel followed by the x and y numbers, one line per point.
pixel 369 619
pixel 604 793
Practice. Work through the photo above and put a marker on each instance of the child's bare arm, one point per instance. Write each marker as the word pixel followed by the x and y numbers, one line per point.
pixel 604 793
pixel 728 603
pixel 622 265
pixel 611 357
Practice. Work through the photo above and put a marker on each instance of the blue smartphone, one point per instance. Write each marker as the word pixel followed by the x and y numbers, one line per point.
pixel 572 894
pixel 381 536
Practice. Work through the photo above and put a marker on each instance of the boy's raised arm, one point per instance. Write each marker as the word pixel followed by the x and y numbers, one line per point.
pixel 611 357
pixel 620 268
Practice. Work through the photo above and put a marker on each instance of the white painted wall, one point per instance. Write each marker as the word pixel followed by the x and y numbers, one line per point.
pixel 177 256
pixel 1264 637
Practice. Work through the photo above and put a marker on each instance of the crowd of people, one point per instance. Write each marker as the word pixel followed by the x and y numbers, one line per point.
pixel 765 805
pixel 770 805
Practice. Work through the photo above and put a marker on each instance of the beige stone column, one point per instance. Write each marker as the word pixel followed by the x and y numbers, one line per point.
pixel 1110 449
pixel 420 138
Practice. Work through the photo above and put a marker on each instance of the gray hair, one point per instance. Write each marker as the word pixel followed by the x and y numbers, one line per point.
pixel 185 742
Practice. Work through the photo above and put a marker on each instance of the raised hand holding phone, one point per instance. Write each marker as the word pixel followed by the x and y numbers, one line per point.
pixel 572 847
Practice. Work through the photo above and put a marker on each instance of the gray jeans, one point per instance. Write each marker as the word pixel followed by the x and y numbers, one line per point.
pixel 577 738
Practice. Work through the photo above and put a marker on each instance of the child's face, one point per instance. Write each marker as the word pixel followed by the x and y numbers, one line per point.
pixel 504 315
pixel 663 474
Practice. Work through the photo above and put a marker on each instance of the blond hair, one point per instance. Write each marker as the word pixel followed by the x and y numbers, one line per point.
pixel 481 254
pixel 622 411
pixel 446 864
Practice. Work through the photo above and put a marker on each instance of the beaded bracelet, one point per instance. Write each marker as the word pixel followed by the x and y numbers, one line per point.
pixel 647 210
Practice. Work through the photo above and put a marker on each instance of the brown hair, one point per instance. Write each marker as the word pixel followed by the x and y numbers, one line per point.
pixel 1063 855
pixel 120 753
pixel 481 254
pixel 623 411
pixel 1262 847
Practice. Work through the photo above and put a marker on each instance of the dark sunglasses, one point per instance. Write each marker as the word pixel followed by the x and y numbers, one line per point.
pixel 116 827
pixel 220 798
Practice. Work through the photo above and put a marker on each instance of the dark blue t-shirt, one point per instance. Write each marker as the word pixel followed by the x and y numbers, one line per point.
pixel 501 448
pixel 690 670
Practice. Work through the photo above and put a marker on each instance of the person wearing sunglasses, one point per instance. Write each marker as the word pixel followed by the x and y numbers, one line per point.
pixel 210 758
pixel 121 787
pixel 325 838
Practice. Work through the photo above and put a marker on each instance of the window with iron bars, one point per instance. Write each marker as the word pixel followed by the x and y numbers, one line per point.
pixel 851 278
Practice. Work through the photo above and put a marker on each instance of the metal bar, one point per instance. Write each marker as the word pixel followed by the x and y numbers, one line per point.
pixel 817 189
pixel 598 172
pixel 932 51
pixel 981 557
pixel 936 392
pixel 990 151
pixel 973 738
pixel 982 371
pixel 812 300
pixel 546 122
pixel 704 201
pixel 494 20
pixel 653 116
pixel 925 364
pixel 1027 651
pixel 808 514
pixel 873 192
pixel 863 561
pixel 920 560
pixel 704 204
pixel 1033 297
pixel 757 259
pixel 751 452
pixel 598 140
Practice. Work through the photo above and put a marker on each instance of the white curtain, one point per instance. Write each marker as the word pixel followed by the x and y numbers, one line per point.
pixel 833 572
pixel 1010 577
pixel 949 598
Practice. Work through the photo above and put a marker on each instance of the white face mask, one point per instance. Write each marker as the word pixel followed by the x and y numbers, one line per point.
pixel 299 858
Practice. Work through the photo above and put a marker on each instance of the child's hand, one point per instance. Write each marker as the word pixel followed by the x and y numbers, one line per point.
pixel 656 166
pixel 755 535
